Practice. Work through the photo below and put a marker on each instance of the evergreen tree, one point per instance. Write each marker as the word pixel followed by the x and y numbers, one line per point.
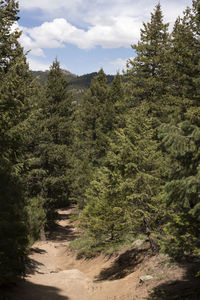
pixel 124 195
pixel 34 175
pixel 91 135
pixel 181 140
pixel 182 191
pixel 55 141
pixel 15 94
pixel 184 56
pixel 147 72
pixel 183 89
pixel 104 217
pixel 117 104
pixel 93 118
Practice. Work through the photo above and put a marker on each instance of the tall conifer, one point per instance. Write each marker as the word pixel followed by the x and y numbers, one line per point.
pixel 15 94
pixel 147 72
pixel 92 127
pixel 124 195
pixel 182 139
pixel 55 144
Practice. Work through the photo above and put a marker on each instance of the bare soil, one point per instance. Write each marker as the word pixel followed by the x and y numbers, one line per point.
pixel 56 274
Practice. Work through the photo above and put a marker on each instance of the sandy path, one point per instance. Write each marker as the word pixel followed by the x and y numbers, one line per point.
pixel 57 275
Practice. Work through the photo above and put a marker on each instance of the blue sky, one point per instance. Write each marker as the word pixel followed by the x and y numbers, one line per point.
pixel 86 35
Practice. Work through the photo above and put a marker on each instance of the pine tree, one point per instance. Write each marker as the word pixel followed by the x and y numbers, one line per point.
pixel 184 56
pixel 182 191
pixel 91 135
pixel 117 104
pixel 15 94
pixel 93 118
pixel 182 139
pixel 124 195
pixel 183 65
pixel 104 217
pixel 34 175
pixel 55 141
pixel 147 72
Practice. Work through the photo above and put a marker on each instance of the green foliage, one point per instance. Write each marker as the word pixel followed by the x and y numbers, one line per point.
pixel 125 192
pixel 13 230
pixel 126 152
pixel 53 149
pixel 182 190
pixel 184 64
pixel 83 82
pixel 36 217
pixel 15 94
pixel 181 140
pixel 116 108
pixel 147 72
pixel 91 130
pixel 84 247
pixel 88 247
pixel 104 214
pixel 75 82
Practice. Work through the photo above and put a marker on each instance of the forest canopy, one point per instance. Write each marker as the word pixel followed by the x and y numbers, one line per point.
pixel 126 152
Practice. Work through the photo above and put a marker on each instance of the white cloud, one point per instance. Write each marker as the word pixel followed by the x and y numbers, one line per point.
pixel 116 32
pixel 119 64
pixel 113 33
pixel 36 65
pixel 110 24
pixel 29 44
pixel 87 9
pixel 50 5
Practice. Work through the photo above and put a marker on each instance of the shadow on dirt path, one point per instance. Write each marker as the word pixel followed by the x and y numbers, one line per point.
pixel 188 288
pixel 43 280
pixel 55 273
pixel 124 265
pixel 63 233
pixel 64 230
pixel 40 292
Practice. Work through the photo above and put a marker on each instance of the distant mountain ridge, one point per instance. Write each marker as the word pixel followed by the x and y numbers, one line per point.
pixel 79 83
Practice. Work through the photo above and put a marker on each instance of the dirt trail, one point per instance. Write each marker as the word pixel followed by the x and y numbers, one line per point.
pixel 57 275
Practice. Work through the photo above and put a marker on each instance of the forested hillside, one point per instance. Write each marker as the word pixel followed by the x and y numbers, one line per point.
pixel 43 75
pixel 77 84
pixel 127 154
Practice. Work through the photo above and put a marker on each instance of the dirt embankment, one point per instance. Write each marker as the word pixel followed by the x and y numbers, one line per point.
pixel 56 274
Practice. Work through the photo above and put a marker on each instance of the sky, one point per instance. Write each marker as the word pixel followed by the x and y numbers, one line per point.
pixel 86 35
